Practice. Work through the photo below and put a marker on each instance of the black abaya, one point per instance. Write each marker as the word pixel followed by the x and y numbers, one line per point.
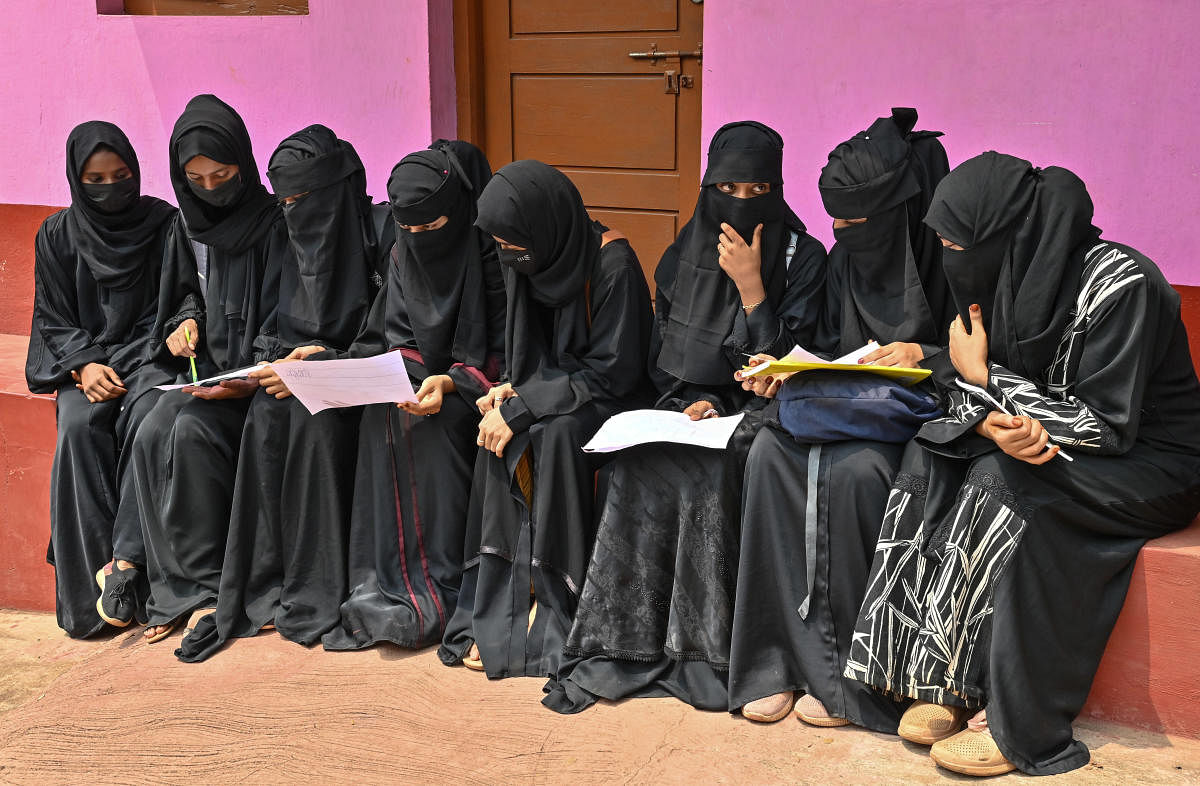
pixel 285 553
pixel 791 631
pixel 656 611
pixel 577 329
pixel 96 283
pixel 1014 574
pixel 222 269
pixel 443 307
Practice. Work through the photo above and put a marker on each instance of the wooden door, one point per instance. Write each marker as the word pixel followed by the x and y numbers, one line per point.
pixel 557 83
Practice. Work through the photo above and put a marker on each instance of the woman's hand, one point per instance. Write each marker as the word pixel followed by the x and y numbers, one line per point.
pixel 764 385
pixel 178 343
pixel 969 351
pixel 1021 437
pixel 700 410
pixel 98 382
pixel 901 353
pixel 493 398
pixel 429 395
pixel 494 433
pixel 742 263
pixel 225 389
pixel 270 381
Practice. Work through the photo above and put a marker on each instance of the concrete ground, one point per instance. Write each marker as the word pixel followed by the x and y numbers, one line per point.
pixel 115 710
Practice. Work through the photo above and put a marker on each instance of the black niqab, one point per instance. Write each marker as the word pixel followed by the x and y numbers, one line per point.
pixel 441 270
pixel 209 127
pixel 1024 232
pixel 114 246
pixel 887 175
pixel 704 300
pixel 535 206
pixel 324 297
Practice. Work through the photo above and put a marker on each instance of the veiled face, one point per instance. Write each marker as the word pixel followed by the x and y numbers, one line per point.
pixel 744 190
pixel 504 244
pixel 104 167
pixel 842 223
pixel 437 223
pixel 950 244
pixel 209 174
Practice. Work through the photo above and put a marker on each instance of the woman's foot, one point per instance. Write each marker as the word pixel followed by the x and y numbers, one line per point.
pixel 812 711
pixel 155 633
pixel 770 708
pixel 972 751
pixel 925 723
pixel 472 660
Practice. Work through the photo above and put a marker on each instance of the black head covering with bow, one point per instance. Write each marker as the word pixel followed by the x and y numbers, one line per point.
pixel 534 206
pixel 324 297
pixel 209 127
pixel 704 300
pixel 895 289
pixel 440 271
pixel 1024 233
pixel 114 241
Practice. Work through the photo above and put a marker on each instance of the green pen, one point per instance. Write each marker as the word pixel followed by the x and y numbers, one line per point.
pixel 188 335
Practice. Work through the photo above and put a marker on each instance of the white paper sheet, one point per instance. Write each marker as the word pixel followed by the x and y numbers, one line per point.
pixel 328 384
pixel 241 372
pixel 799 353
pixel 642 426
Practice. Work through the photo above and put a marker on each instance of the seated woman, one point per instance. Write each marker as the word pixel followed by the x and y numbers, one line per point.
pixel 812 508
pixel 96 280
pixel 285 554
pixel 442 307
pixel 578 324
pixel 1001 566
pixel 742 278
pixel 219 294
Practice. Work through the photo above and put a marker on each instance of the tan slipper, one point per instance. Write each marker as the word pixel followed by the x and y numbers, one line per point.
pixel 812 711
pixel 472 660
pixel 926 723
pixel 971 753
pixel 769 708
pixel 165 629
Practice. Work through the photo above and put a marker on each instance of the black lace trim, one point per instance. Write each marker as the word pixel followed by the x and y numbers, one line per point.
pixel 995 486
pixel 915 485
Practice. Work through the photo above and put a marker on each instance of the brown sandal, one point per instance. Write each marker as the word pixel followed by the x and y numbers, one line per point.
pixel 812 711
pixel 769 709
pixel 971 752
pixel 926 723
pixel 166 629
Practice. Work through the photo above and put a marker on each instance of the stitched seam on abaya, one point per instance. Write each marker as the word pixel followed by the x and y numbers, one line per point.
pixel 911 484
pixel 400 523
pixel 412 480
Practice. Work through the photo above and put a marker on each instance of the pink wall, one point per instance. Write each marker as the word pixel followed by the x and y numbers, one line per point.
pixel 1107 88
pixel 359 66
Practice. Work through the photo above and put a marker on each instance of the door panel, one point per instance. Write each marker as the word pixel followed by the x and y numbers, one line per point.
pixel 559 85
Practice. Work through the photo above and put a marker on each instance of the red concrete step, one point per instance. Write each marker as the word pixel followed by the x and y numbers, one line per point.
pixel 27 436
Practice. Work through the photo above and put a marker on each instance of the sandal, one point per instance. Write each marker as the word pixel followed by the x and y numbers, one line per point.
pixel 166 629
pixel 812 711
pixel 473 661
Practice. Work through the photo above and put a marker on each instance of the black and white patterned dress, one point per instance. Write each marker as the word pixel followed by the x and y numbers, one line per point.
pixel 995 582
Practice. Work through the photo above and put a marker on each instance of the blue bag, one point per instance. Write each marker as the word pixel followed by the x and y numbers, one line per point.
pixel 831 406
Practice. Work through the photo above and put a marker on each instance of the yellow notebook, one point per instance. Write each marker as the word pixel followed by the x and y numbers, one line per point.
pixel 801 360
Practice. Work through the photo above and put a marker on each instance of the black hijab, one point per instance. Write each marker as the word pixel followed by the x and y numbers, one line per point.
pixel 323 298
pixel 895 289
pixel 1024 232
pixel 441 270
pixel 703 300
pixel 532 205
pixel 209 127
pixel 114 244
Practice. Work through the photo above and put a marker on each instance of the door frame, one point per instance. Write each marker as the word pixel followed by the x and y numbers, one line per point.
pixel 468 70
